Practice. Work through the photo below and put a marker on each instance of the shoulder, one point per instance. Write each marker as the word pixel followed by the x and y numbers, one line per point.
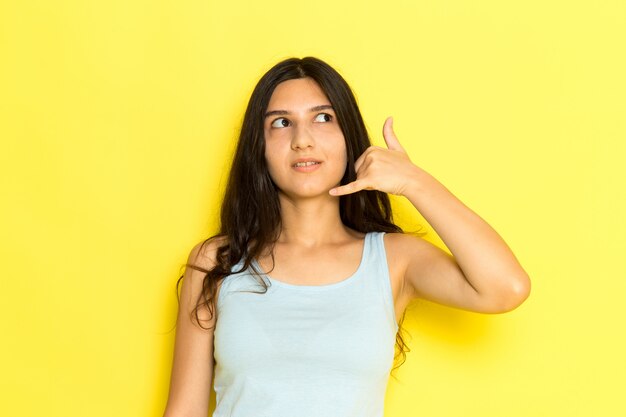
pixel 204 253
pixel 406 250
pixel 405 245
pixel 202 258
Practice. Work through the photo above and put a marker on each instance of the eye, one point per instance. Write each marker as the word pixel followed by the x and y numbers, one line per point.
pixel 326 117
pixel 280 122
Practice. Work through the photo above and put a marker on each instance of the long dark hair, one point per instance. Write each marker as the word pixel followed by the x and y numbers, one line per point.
pixel 250 212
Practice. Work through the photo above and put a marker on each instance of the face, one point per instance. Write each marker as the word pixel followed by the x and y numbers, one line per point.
pixel 305 148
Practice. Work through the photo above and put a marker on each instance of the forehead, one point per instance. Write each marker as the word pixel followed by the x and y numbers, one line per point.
pixel 297 94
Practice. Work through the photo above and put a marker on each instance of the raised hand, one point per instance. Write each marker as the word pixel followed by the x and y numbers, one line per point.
pixel 388 170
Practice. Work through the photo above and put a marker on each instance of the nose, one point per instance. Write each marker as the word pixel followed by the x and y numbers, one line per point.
pixel 302 138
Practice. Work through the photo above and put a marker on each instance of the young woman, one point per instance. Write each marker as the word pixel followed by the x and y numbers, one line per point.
pixel 291 309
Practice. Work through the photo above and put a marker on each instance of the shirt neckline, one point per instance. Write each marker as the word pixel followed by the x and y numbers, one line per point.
pixel 345 281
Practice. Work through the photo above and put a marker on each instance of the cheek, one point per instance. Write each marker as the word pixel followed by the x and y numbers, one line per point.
pixel 270 162
pixel 344 158
pixel 342 150
pixel 270 151
pixel 273 160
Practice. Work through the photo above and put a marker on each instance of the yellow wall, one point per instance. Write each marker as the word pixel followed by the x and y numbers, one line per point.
pixel 116 122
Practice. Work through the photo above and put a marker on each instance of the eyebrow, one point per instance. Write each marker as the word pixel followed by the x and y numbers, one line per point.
pixel 312 109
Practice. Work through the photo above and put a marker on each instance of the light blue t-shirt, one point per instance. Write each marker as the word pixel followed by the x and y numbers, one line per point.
pixel 306 350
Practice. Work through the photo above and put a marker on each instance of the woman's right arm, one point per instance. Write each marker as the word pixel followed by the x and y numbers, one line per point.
pixel 192 368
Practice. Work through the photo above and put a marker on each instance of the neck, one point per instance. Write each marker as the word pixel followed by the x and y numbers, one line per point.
pixel 311 222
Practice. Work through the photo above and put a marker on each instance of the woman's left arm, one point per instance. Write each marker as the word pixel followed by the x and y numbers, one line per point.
pixel 483 274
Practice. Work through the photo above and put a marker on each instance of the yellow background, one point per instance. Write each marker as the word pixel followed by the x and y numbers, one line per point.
pixel 117 120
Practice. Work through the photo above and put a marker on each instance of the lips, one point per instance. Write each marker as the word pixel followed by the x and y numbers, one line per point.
pixel 305 160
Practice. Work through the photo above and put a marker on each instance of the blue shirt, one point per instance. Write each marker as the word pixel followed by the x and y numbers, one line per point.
pixel 306 350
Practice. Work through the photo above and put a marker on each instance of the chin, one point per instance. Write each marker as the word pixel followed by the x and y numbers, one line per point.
pixel 307 192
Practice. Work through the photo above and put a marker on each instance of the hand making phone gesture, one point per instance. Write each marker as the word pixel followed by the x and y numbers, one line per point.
pixel 387 170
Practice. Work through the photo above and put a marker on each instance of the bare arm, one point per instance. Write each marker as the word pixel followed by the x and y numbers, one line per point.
pixel 482 274
pixel 192 368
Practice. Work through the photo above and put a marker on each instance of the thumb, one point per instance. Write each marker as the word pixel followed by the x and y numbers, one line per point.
pixel 390 137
